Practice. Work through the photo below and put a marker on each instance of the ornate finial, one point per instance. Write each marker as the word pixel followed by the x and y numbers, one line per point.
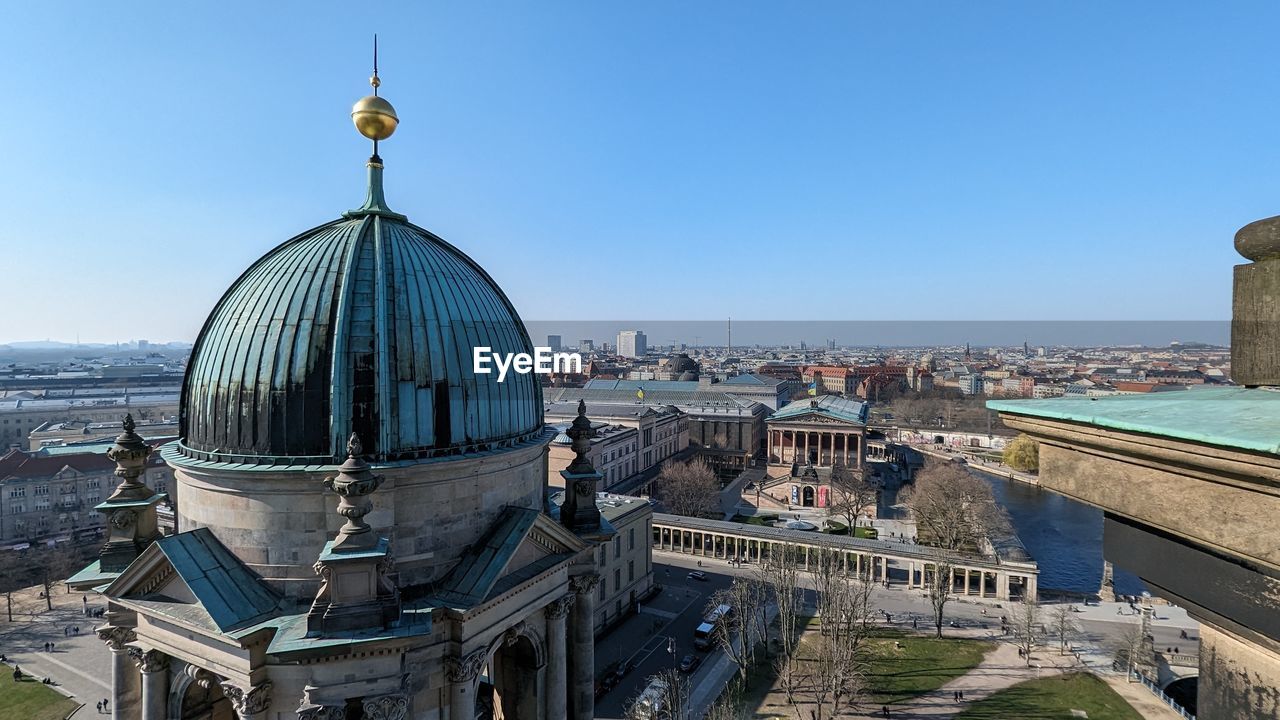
pixel 581 432
pixel 354 482
pixel 375 119
pixel 130 454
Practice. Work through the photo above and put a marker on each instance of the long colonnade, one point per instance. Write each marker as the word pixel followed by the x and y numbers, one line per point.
pixel 878 560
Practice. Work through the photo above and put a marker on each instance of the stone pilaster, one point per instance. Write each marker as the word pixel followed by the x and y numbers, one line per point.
pixel 461 673
pixel 154 666
pixel 124 673
pixel 582 668
pixel 557 657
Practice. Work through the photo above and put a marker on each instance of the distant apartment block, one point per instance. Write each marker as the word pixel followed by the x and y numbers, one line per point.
pixel 52 496
pixel 632 344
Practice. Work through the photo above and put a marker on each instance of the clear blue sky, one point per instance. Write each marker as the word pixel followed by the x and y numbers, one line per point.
pixel 653 160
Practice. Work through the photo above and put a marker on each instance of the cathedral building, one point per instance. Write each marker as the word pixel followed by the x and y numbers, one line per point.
pixel 364 529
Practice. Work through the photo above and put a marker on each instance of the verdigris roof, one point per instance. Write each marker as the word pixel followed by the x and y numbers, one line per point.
pixel 832 406
pixel 1237 417
pixel 364 324
pixel 229 596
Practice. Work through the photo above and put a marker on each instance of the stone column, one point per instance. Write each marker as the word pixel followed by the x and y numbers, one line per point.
pixel 1002 585
pixel 557 658
pixel 250 703
pixel 582 676
pixel 1029 593
pixel 124 674
pixel 461 673
pixel 966 581
pixel 155 682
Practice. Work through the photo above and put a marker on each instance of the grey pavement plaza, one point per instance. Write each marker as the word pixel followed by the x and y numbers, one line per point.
pixel 79 664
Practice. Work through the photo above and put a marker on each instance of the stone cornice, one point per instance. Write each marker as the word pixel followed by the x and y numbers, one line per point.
pixel 1251 471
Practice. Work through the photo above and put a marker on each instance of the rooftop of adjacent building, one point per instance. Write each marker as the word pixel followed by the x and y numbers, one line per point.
pixel 607 410
pixel 850 410
pixel 22 465
pixel 1233 417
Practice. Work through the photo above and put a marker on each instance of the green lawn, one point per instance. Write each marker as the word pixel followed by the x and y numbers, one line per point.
pixel 31 700
pixel 919 665
pixel 1054 698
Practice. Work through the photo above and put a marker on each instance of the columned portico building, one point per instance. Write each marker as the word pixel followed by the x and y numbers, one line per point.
pixel 364 531
pixel 821 433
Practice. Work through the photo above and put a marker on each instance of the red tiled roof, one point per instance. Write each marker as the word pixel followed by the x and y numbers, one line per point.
pixel 27 465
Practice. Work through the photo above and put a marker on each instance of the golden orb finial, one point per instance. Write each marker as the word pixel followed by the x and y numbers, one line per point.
pixel 373 116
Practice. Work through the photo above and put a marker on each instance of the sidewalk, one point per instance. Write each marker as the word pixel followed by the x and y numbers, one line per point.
pixel 80 664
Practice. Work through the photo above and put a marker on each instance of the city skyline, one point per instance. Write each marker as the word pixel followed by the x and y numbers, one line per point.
pixel 953 165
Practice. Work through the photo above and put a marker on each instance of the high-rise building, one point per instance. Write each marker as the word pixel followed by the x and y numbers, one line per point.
pixel 632 343
pixel 553 342
pixel 586 346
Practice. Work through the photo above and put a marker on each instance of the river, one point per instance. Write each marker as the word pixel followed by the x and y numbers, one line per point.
pixel 1063 535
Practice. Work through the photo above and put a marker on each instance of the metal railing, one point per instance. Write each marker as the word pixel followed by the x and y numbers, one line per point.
pixel 1155 690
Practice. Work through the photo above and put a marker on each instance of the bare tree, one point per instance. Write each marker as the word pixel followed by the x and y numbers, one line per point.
pixel 850 494
pixel 688 488
pixel 832 675
pixel 787 668
pixel 1027 628
pixel 951 506
pixel 779 573
pixel 834 671
pixel 1064 626
pixel 731 705
pixel 666 696
pixel 938 583
pixel 1132 650
pixel 12 572
pixel 742 596
pixel 844 598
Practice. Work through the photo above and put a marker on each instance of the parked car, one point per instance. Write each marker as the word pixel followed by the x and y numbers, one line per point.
pixel 690 663
pixel 698 575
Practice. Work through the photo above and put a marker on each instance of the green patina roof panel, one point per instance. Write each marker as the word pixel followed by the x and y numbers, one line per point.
pixel 1234 417
pixel 227 590
pixel 833 406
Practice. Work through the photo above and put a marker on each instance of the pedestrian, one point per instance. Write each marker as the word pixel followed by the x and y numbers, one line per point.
pixel 961 696
pixel 17 673
pixel 98 705
pixel 1175 650
pixel 106 705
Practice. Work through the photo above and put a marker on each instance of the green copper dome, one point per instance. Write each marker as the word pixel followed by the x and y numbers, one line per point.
pixel 366 325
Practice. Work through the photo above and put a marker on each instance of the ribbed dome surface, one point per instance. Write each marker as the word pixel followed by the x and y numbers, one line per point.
pixel 365 324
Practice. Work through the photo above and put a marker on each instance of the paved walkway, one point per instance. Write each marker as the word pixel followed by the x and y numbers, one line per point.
pixel 80 664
